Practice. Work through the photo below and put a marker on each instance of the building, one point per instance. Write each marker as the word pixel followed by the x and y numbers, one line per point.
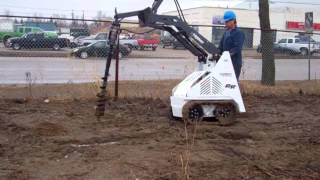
pixel 288 19
pixel 45 26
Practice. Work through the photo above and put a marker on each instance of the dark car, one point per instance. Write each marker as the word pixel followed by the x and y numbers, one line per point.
pixel 166 41
pixel 170 41
pixel 177 45
pixel 280 50
pixel 38 40
pixel 76 32
pixel 98 49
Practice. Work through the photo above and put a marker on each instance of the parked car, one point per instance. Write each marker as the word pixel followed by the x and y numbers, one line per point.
pixel 177 45
pixel 305 38
pixel 167 41
pixel 37 40
pixel 66 36
pixel 76 41
pixel 98 49
pixel 300 45
pixel 281 50
pixel 19 31
pixel 170 41
pixel 131 43
pixel 148 43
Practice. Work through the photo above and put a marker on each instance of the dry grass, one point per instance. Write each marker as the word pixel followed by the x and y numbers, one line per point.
pixel 282 88
pixel 150 89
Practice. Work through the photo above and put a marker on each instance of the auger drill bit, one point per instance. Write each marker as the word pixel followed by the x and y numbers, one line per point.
pixel 102 95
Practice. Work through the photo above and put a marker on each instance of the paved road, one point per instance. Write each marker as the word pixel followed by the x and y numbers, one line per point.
pixel 13 70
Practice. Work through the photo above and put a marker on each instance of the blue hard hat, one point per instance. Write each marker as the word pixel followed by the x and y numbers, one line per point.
pixel 228 16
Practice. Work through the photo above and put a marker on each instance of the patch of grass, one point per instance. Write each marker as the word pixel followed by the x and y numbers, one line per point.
pixel 152 89
pixel 282 88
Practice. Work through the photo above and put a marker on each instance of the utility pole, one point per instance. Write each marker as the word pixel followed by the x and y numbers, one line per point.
pixel 83 17
pixel 72 17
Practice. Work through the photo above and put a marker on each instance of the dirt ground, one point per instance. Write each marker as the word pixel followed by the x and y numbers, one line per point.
pixel 278 138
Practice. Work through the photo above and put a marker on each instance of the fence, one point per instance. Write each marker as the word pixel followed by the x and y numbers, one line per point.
pixel 65 51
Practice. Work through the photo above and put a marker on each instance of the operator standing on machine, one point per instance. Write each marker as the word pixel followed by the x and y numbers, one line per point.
pixel 232 41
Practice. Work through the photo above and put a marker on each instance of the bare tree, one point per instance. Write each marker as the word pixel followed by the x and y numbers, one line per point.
pixel 268 64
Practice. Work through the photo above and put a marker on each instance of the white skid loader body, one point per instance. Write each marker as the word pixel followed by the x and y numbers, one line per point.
pixel 214 83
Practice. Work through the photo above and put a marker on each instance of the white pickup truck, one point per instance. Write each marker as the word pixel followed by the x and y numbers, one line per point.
pixel 299 45
pixel 92 39
pixel 131 43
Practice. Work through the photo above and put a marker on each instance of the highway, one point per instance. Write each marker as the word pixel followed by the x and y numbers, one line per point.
pixel 44 70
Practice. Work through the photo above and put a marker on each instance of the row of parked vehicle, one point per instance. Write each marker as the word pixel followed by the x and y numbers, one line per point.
pixel 83 46
pixel 139 44
pixel 86 46
pixel 96 48
pixel 295 46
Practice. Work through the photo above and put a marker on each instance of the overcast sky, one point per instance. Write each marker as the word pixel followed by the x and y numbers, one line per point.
pixel 90 7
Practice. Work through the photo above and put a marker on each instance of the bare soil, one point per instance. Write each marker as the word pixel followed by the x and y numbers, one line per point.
pixel 278 138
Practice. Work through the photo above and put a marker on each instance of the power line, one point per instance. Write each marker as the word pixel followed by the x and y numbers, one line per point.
pixel 62 18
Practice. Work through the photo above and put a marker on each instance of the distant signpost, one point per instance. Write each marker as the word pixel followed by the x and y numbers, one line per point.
pixel 309 22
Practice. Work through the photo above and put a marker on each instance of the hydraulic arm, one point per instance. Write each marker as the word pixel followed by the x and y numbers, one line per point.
pixel 176 26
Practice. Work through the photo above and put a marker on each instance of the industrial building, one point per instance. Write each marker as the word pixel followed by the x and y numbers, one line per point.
pixel 288 19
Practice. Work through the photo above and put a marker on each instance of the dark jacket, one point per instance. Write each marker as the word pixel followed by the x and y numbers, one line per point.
pixel 232 41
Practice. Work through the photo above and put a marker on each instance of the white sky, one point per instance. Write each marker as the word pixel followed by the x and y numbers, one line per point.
pixel 90 7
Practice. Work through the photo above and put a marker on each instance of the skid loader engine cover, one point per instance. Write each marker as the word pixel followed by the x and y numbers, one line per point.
pixel 212 92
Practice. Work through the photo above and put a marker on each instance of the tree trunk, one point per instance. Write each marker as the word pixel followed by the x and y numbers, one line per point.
pixel 268 65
